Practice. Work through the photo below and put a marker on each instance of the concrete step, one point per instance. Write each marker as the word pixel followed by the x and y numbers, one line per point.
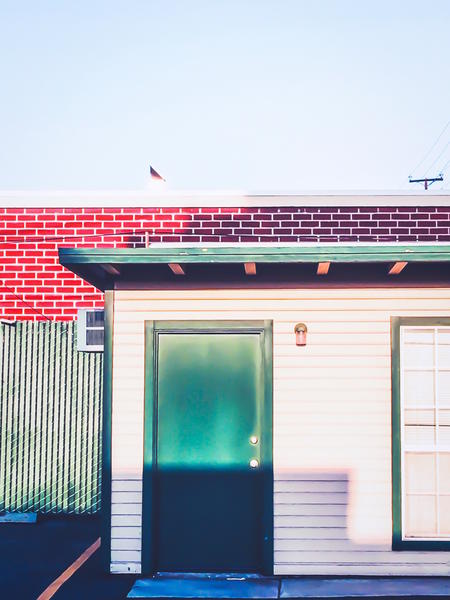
pixel 370 587
pixel 205 587
pixel 235 586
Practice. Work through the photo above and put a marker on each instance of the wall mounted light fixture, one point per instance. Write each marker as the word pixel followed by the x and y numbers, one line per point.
pixel 300 334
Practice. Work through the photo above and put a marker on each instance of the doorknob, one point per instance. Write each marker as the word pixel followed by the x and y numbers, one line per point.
pixel 254 463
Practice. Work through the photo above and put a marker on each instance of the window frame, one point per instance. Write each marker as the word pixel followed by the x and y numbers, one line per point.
pixel 82 346
pixel 398 543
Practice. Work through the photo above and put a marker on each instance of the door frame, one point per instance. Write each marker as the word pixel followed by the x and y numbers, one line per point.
pixel 152 330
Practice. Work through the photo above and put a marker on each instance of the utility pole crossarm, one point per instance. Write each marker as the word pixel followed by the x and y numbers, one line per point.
pixel 427 181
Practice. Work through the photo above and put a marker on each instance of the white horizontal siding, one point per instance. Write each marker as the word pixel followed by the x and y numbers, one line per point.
pixel 363 555
pixel 124 509
pixel 311 533
pixel 306 519
pixel 125 532
pixel 127 497
pixel 309 510
pixel 127 485
pixel 124 555
pixel 118 566
pixel 126 521
pixel 129 543
pixel 309 486
pixel 126 524
pixel 332 405
pixel 310 498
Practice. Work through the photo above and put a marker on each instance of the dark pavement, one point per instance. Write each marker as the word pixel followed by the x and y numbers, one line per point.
pixel 32 556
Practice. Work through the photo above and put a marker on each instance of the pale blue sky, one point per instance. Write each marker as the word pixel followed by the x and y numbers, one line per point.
pixel 255 95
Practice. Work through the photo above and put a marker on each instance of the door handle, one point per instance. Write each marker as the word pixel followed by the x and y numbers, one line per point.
pixel 254 463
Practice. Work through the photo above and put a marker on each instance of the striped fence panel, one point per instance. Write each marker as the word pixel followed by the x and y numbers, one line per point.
pixel 50 420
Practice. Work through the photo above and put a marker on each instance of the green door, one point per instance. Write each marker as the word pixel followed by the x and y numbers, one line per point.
pixel 210 457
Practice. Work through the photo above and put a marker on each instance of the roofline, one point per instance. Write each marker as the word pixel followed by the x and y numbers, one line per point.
pixel 150 198
pixel 259 254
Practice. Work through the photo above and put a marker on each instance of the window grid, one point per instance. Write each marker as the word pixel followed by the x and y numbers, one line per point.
pixel 434 449
pixel 84 327
pixel 436 426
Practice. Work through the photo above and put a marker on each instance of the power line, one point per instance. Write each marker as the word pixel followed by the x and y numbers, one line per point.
pixel 12 292
pixel 61 238
pixel 431 149
pixel 444 168
pixel 436 160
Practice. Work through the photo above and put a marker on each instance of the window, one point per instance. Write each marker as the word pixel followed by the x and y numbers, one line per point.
pixel 421 432
pixel 90 330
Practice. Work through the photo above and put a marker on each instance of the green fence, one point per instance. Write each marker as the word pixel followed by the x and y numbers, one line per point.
pixel 50 420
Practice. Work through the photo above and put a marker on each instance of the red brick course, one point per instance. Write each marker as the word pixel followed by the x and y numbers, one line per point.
pixel 33 286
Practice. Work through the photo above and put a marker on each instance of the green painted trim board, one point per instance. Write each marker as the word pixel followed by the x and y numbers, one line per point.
pixel 262 254
pixel 397 542
pixel 106 432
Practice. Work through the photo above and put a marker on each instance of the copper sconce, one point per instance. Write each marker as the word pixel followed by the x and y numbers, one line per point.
pixel 300 334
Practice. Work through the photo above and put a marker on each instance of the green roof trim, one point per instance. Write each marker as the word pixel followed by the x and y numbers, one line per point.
pixel 258 254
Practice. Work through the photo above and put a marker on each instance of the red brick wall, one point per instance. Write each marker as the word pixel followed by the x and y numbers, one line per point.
pixel 33 286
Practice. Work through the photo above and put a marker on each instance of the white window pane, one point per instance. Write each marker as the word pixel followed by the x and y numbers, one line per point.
pixel 420 473
pixel 420 416
pixel 443 356
pixel 418 336
pixel 444 427
pixel 95 318
pixel 420 517
pixel 444 417
pixel 420 427
pixel 418 356
pixel 420 435
pixel 426 383
pixel 444 515
pixel 443 336
pixel 95 337
pixel 443 379
pixel 444 435
pixel 418 388
pixel 444 472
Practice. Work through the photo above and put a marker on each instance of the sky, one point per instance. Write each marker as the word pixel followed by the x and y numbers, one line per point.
pixel 245 95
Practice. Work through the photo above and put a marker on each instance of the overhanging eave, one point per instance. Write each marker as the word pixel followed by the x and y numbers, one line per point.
pixel 103 266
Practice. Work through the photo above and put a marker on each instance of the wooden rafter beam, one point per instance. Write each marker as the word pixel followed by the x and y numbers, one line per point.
pixel 397 267
pixel 110 269
pixel 250 268
pixel 176 269
pixel 323 268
